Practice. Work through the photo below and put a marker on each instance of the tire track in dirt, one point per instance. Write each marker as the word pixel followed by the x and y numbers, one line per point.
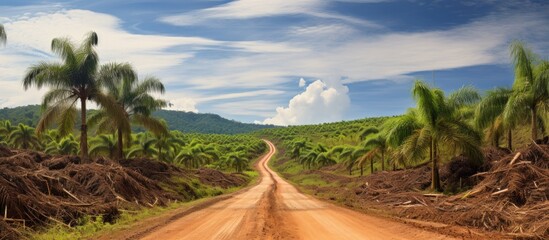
pixel 274 209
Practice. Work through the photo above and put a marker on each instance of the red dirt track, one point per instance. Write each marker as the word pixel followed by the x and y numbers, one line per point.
pixel 274 209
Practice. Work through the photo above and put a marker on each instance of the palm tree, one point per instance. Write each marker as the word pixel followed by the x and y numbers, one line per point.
pixel 166 145
pixel 3 35
pixel 75 79
pixel 67 145
pixel 318 156
pixel 133 96
pixel 143 147
pixel 489 115
pixel 376 143
pixel 297 147
pixel 237 161
pixel 435 122
pixel 196 156
pixel 530 95
pixel 104 145
pixel 350 156
pixel 6 129
pixel 24 137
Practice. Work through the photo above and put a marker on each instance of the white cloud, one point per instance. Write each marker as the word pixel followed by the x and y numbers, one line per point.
pixel 261 93
pixel 302 82
pixel 30 35
pixel 318 103
pixel 247 9
pixel 183 104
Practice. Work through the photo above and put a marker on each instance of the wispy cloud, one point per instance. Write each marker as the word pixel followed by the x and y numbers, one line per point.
pixel 247 9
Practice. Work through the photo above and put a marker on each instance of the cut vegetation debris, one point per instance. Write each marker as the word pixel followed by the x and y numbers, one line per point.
pixel 38 189
pixel 508 195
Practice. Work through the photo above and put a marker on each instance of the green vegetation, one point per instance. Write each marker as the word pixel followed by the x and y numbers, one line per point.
pixel 187 122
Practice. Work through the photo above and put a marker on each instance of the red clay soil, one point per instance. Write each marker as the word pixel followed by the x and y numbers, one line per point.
pixel 36 188
pixel 508 195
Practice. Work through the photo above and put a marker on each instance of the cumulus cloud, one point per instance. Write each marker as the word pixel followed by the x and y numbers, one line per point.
pixel 302 82
pixel 183 104
pixel 319 103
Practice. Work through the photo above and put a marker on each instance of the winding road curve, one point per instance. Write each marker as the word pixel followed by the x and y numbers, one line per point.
pixel 274 209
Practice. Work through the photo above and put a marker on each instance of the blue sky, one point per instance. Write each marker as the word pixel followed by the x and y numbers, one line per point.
pixel 282 61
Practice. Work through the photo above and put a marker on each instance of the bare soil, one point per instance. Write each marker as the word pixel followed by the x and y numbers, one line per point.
pixel 274 209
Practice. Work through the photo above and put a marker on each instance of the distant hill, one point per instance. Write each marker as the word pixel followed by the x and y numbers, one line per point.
pixel 187 122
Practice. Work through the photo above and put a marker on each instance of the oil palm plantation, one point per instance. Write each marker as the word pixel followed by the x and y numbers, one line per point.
pixel 530 95
pixel 74 80
pixel 434 123
pixel 134 99
pixel 24 137
pixel 489 116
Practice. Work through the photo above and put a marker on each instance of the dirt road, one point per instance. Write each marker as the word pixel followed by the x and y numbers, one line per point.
pixel 274 209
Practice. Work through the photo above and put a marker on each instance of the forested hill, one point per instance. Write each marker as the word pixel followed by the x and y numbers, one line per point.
pixel 183 121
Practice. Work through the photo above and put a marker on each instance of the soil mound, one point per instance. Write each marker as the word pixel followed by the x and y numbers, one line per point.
pixel 36 188
pixel 214 177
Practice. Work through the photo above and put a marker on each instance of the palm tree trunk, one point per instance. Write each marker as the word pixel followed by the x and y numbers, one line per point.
pixel 534 124
pixel 361 170
pixel 371 166
pixel 350 170
pixel 120 149
pixel 510 139
pixel 83 131
pixel 435 182
pixel 382 160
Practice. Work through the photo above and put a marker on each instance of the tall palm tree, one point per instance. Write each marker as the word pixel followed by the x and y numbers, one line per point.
pixel 3 35
pixel 489 115
pixel 435 122
pixel 133 96
pixel 24 137
pixel 75 79
pixel 530 95
pixel 104 145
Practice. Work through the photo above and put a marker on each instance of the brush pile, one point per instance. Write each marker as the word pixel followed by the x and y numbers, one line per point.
pixel 511 197
pixel 37 189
